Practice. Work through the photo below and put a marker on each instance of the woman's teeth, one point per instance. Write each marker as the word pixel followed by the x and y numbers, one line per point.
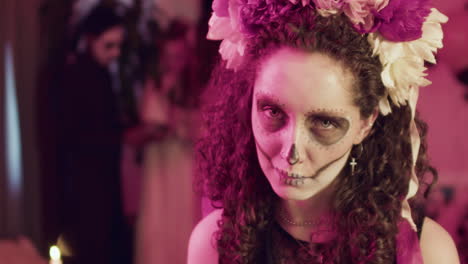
pixel 296 176
pixel 287 175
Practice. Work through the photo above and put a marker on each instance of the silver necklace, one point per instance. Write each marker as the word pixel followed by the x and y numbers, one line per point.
pixel 309 247
pixel 288 221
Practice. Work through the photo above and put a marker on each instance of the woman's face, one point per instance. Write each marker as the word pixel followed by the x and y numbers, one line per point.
pixel 106 47
pixel 304 122
pixel 175 55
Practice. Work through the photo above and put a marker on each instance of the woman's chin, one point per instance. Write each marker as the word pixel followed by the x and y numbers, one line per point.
pixel 292 191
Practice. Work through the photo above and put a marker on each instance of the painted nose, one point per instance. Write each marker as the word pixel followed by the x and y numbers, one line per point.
pixel 293 141
pixel 293 156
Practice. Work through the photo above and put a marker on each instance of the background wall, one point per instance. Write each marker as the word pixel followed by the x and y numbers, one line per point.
pixel 19 31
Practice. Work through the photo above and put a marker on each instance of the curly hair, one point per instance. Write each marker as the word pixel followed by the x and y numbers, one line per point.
pixel 368 203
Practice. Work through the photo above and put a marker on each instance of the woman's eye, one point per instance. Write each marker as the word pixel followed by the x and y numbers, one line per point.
pixel 328 130
pixel 274 113
pixel 326 123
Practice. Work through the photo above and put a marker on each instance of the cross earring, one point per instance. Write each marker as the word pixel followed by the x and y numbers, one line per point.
pixel 353 164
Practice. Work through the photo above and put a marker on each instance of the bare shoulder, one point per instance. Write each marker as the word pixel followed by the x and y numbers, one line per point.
pixel 437 245
pixel 202 245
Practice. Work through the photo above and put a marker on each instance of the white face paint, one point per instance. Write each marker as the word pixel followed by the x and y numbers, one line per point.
pixel 304 99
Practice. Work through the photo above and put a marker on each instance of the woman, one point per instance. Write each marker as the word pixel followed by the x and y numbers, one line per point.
pixel 312 150
pixel 89 129
pixel 167 198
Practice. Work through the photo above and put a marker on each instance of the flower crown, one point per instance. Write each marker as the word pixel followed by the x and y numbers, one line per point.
pixel 402 33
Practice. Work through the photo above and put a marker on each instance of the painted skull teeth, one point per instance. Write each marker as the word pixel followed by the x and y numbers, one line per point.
pixel 293 175
pixel 294 182
pixel 288 175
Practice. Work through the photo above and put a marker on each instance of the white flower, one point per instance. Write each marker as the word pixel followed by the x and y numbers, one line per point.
pixel 228 30
pixel 403 62
pixel 384 106
pixel 232 52
pixel 402 74
pixel 432 33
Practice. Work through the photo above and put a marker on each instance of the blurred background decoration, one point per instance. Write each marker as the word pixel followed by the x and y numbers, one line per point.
pixel 163 63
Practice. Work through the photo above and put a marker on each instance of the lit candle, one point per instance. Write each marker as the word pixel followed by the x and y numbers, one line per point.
pixel 55 256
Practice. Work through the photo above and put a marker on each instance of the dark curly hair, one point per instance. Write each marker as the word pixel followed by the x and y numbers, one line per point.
pixel 367 204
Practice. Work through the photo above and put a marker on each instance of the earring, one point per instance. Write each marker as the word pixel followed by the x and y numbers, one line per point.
pixel 353 162
pixel 293 156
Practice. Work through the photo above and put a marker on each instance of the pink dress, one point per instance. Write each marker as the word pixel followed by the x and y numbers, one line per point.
pixel 408 249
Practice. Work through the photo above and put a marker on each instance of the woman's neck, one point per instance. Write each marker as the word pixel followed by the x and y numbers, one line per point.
pixel 302 218
pixel 310 210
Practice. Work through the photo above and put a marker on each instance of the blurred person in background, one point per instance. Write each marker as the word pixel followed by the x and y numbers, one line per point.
pixel 89 129
pixel 169 209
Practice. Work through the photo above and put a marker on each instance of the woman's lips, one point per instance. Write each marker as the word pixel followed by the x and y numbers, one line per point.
pixel 289 175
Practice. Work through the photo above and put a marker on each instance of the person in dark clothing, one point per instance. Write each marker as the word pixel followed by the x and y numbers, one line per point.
pixel 89 145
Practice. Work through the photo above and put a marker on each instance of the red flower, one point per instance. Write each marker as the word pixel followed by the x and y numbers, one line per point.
pixel 402 20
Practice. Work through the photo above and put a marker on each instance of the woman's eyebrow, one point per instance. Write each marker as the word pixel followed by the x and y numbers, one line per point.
pixel 331 113
pixel 267 98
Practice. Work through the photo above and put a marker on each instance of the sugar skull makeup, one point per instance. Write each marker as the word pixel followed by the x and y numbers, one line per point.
pixel 304 121
pixel 326 126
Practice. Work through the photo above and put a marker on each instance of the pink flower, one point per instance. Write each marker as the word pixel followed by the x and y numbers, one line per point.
pixel 227 27
pixel 362 13
pixel 329 6
pixel 304 2
pixel 402 20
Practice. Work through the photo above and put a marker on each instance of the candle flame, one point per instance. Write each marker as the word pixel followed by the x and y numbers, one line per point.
pixel 54 253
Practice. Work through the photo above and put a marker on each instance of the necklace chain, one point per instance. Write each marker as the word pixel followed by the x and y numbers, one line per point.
pixel 286 220
pixel 308 248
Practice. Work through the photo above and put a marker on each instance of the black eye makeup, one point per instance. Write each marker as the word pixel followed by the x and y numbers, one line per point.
pixel 327 128
pixel 271 114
